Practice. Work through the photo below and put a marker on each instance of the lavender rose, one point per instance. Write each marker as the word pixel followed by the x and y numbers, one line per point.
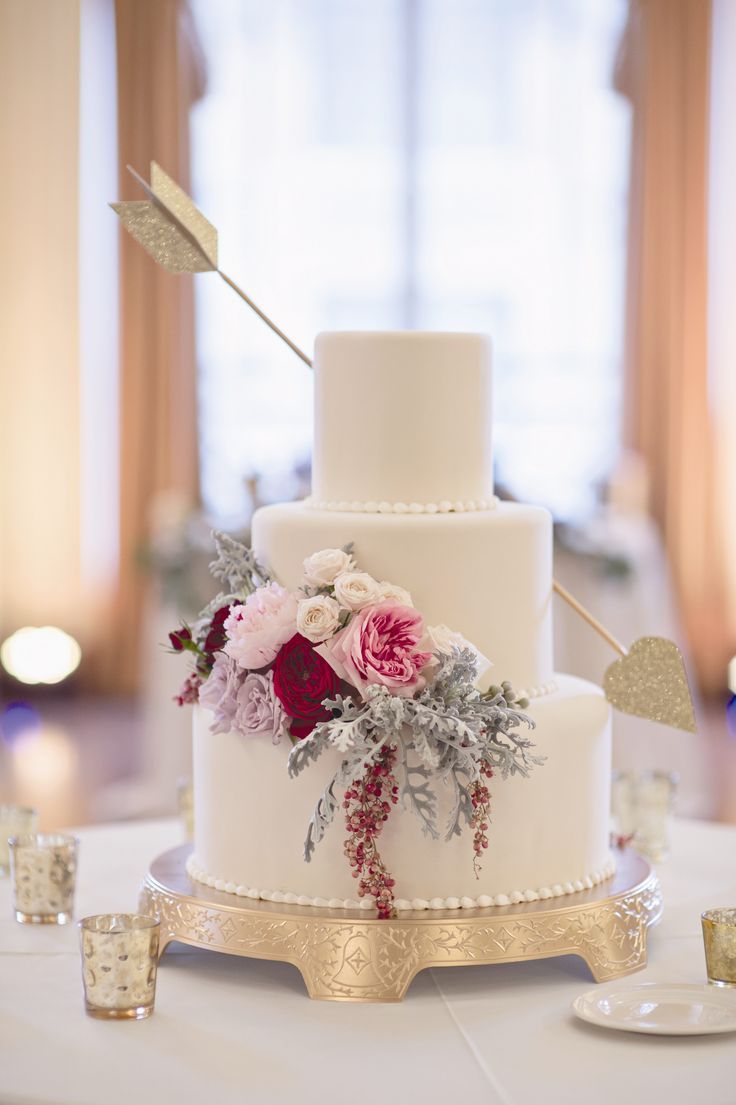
pixel 219 692
pixel 258 709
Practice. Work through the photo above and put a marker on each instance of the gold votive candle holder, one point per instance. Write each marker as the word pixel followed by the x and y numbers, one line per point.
pixel 185 805
pixel 44 870
pixel 14 820
pixel 719 938
pixel 119 960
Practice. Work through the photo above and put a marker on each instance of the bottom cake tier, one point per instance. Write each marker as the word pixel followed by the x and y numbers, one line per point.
pixel 549 833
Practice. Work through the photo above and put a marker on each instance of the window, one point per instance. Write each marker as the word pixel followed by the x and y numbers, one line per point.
pixel 419 164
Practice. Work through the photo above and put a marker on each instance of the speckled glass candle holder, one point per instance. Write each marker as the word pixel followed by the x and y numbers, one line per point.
pixel 719 937
pixel 14 820
pixel 655 799
pixel 44 868
pixel 119 958
pixel 185 802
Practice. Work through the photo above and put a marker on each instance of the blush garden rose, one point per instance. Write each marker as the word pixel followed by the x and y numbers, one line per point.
pixel 380 647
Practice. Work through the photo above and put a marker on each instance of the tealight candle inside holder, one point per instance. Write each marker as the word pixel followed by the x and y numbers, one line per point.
pixel 14 820
pixel 719 937
pixel 44 867
pixel 119 958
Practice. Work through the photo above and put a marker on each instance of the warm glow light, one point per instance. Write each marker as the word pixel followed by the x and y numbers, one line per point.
pixel 42 654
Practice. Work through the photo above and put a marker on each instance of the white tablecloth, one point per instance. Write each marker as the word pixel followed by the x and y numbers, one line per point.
pixel 235 1030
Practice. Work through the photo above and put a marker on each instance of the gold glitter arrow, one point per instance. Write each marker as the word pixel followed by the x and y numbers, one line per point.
pixel 648 681
pixel 173 231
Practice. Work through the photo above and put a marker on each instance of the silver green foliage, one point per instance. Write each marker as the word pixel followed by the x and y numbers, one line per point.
pixel 236 566
pixel 442 736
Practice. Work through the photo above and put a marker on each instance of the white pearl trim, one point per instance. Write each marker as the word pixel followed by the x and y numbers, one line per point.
pixel 538 692
pixel 370 507
pixel 483 901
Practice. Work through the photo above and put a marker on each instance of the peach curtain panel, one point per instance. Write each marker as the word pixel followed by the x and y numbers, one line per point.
pixel 160 76
pixel 664 68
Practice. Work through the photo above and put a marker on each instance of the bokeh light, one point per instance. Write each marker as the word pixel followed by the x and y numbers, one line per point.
pixel 40 654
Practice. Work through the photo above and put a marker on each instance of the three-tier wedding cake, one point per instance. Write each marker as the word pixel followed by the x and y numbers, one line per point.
pixel 402 490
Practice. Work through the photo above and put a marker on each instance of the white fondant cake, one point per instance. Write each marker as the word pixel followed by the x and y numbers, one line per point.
pixel 402 469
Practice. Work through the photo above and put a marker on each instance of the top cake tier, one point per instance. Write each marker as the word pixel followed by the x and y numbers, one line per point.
pixel 402 418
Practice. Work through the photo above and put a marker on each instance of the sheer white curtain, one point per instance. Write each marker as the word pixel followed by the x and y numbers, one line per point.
pixel 415 163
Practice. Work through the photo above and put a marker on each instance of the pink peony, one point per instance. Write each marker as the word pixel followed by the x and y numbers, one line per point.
pixel 379 645
pixel 219 692
pixel 257 629
pixel 258 709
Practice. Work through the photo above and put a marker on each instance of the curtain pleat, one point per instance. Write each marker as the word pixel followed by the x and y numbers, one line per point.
pixel 160 77
pixel 664 68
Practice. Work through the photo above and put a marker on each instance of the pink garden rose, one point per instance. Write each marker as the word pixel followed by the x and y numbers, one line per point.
pixel 258 709
pixel 379 646
pixel 257 629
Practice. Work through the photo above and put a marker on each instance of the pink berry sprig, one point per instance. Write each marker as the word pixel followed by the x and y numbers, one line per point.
pixel 367 804
pixel 189 693
pixel 480 796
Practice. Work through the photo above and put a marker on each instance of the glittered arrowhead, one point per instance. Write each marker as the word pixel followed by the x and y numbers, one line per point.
pixel 161 238
pixel 173 230
pixel 169 225
pixel 182 207
pixel 650 682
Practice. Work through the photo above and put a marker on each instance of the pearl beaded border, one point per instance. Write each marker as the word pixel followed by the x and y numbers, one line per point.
pixel 385 507
pixel 538 692
pixel 483 901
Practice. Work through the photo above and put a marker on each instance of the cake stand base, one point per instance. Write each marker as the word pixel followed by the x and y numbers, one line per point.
pixel 346 955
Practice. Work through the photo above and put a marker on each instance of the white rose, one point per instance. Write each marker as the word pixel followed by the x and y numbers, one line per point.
pixel 440 638
pixel 318 618
pixel 391 592
pixel 321 568
pixel 354 590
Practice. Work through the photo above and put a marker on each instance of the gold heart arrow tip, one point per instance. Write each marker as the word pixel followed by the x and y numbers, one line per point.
pixel 651 682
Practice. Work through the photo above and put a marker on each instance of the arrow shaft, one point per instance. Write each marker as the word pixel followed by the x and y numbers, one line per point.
pixel 588 617
pixel 269 322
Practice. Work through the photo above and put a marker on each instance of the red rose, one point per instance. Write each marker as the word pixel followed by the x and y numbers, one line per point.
pixel 302 680
pixel 215 639
pixel 179 639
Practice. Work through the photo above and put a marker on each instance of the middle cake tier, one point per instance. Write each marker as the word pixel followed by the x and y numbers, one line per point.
pixel 486 574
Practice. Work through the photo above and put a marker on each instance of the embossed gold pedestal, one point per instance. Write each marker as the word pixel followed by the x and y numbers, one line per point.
pixel 349 955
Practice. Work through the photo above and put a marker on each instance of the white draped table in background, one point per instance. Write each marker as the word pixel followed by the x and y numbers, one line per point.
pixel 232 1030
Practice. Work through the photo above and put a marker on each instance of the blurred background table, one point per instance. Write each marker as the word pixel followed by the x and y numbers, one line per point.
pixel 231 1030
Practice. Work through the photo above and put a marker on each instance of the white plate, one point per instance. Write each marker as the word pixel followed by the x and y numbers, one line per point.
pixel 669 1009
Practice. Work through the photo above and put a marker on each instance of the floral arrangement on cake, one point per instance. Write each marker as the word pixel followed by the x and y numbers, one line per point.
pixel 346 662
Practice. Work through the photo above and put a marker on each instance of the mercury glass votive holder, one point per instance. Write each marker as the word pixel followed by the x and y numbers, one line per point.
pixel 623 802
pixel 14 820
pixel 655 799
pixel 185 804
pixel 119 959
pixel 44 869
pixel 719 938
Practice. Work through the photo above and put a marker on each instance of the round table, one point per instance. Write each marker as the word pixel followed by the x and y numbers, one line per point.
pixel 228 1029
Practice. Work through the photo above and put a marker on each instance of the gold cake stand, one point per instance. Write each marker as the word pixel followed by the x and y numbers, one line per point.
pixel 346 955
